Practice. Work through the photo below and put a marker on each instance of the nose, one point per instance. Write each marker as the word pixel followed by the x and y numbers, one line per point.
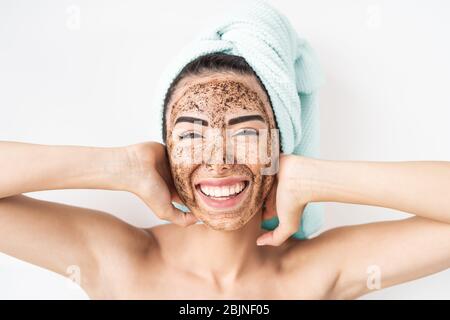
pixel 218 169
pixel 215 155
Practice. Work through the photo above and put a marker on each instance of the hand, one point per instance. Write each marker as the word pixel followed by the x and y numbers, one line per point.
pixel 151 180
pixel 287 200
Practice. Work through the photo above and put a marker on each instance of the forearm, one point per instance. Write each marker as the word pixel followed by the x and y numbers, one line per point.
pixel 31 167
pixel 421 188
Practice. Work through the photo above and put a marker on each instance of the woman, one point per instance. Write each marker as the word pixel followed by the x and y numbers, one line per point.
pixel 216 112
pixel 219 259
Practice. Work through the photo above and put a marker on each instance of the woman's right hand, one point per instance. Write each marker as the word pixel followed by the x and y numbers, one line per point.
pixel 149 177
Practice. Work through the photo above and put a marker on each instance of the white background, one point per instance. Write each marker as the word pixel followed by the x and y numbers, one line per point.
pixel 386 96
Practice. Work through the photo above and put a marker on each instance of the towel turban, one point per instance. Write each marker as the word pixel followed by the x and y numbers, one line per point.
pixel 286 65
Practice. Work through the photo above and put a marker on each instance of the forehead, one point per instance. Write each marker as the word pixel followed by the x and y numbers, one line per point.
pixel 217 94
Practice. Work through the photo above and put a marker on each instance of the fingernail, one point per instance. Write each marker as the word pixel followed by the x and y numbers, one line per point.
pixel 260 242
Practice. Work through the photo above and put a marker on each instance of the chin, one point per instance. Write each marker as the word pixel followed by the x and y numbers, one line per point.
pixel 226 221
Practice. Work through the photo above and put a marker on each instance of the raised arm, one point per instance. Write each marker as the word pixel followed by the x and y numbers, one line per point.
pixel 418 187
pixel 399 251
pixel 379 255
pixel 28 167
pixel 57 236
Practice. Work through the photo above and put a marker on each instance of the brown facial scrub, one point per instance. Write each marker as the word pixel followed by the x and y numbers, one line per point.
pixel 213 141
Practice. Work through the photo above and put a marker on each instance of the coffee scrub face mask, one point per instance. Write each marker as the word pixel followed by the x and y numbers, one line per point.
pixel 214 126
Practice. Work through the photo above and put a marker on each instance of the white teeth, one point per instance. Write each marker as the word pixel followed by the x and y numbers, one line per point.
pixel 224 191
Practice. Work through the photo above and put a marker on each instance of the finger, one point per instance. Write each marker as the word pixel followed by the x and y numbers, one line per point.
pixel 183 219
pixel 176 198
pixel 277 236
pixel 269 208
pixel 176 216
pixel 160 203
pixel 289 221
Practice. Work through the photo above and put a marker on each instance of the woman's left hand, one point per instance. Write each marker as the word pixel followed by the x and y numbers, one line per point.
pixel 287 199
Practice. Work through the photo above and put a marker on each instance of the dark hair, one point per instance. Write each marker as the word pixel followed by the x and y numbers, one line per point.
pixel 212 62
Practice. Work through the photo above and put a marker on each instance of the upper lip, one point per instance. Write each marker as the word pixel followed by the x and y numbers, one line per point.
pixel 218 182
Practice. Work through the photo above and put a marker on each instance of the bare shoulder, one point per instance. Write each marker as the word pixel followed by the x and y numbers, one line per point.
pixel 312 264
pixel 121 251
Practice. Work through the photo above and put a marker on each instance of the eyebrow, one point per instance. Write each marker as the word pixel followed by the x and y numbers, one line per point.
pixel 245 118
pixel 192 120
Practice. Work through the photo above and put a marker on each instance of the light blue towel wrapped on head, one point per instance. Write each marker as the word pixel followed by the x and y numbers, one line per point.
pixel 287 67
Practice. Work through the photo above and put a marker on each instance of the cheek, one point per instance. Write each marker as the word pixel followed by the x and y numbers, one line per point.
pixel 195 152
pixel 262 184
pixel 185 153
pixel 182 181
pixel 251 150
pixel 182 169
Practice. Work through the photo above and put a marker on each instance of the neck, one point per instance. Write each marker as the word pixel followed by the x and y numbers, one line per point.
pixel 223 256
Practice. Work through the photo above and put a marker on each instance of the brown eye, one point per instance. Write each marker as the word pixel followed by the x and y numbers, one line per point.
pixel 189 135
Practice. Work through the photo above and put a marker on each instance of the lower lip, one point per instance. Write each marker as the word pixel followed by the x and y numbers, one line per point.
pixel 226 204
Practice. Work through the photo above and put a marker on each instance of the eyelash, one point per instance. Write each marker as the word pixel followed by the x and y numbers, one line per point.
pixel 195 135
pixel 247 132
pixel 189 135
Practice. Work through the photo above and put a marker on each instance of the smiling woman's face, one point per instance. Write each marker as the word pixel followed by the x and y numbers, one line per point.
pixel 214 124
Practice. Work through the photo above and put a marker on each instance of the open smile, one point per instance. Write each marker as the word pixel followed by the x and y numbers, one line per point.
pixel 221 194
